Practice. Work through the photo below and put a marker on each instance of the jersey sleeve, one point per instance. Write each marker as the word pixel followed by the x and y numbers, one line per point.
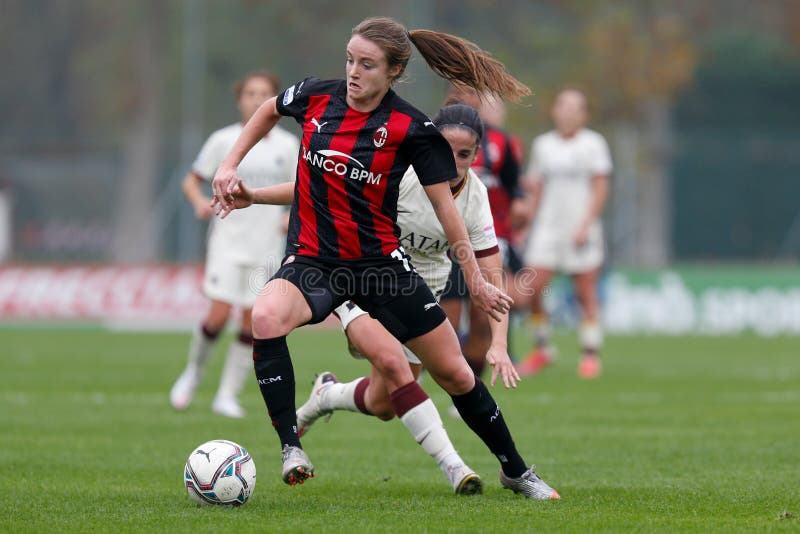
pixel 293 101
pixel 601 162
pixel 209 158
pixel 429 153
pixel 480 223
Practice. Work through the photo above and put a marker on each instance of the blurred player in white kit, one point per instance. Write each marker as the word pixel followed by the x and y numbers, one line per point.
pixel 244 249
pixel 568 180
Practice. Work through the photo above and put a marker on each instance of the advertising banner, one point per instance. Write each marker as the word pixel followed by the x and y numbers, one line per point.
pixel 697 300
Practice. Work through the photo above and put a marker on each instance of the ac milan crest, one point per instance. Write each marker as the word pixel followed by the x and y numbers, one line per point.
pixel 380 137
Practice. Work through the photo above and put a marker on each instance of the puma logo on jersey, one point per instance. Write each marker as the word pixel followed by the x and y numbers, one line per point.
pixel 430 305
pixel 429 123
pixel 319 126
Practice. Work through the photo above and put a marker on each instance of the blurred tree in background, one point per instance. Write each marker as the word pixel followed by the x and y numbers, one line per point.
pixel 105 103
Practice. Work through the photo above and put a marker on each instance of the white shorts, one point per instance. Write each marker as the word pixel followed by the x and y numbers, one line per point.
pixel 349 312
pixel 549 248
pixel 236 284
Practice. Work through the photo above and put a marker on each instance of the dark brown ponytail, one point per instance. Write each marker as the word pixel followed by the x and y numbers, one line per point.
pixel 457 60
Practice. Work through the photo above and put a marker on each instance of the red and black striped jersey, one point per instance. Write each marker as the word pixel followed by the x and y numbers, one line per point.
pixel 498 166
pixel 350 167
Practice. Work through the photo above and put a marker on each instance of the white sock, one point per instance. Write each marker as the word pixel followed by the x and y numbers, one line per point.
pixel 340 396
pixel 541 329
pixel 200 349
pixel 426 426
pixel 591 335
pixel 451 460
pixel 238 366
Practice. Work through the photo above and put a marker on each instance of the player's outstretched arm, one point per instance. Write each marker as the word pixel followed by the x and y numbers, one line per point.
pixel 491 268
pixel 242 197
pixel 259 125
pixel 277 195
pixel 486 296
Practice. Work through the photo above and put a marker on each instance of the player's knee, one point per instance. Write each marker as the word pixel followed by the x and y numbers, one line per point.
pixel 217 317
pixel 269 321
pixel 215 323
pixel 383 412
pixel 393 366
pixel 464 379
pixel 457 380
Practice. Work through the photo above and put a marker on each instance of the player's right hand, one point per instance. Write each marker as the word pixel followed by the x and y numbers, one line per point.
pixel 240 197
pixel 223 184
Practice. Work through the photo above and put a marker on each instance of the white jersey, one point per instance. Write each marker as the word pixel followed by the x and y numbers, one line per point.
pixel 423 238
pixel 250 236
pixel 422 235
pixel 566 167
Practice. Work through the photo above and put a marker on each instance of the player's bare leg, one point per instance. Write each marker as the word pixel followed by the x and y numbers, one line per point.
pixel 542 353
pixel 479 338
pixel 591 332
pixel 440 354
pixel 237 369
pixel 279 309
pixel 452 308
pixel 366 338
pixel 201 346
pixel 377 395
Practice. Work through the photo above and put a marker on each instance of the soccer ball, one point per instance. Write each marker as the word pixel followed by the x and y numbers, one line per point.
pixel 220 472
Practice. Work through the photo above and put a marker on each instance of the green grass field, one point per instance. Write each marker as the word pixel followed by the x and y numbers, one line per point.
pixel 680 434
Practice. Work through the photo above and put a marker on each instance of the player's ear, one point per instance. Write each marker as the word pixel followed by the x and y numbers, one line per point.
pixel 394 71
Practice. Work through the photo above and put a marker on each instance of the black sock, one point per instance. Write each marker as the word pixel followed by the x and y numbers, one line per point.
pixel 482 415
pixel 276 380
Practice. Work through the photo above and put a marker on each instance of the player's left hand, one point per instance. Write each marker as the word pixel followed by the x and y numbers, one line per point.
pixel 490 299
pixel 502 366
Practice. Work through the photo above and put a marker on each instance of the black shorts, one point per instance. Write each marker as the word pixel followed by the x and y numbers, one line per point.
pixel 388 288
pixel 511 260
pixel 456 287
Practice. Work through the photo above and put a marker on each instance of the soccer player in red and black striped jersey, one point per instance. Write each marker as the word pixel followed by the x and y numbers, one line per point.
pixel 358 139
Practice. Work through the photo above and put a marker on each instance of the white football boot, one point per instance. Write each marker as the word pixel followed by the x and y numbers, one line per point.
pixel 296 466
pixel 464 480
pixel 530 485
pixel 182 392
pixel 308 413
pixel 228 407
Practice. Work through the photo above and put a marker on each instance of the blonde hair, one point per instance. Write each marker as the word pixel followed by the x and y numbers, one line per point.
pixel 457 60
